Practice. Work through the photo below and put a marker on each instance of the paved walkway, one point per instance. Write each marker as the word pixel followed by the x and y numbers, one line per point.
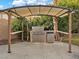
pixel 26 50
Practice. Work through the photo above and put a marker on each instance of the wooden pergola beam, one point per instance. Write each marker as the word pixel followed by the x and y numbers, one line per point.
pixel 40 15
pixel 63 13
pixel 39 10
pixel 49 10
pixel 15 13
pixel 30 10
pixel 60 11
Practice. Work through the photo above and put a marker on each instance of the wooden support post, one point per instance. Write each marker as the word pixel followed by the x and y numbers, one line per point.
pixel 57 35
pixel 22 32
pixel 55 21
pixel 54 28
pixel 70 31
pixel 27 32
pixel 9 32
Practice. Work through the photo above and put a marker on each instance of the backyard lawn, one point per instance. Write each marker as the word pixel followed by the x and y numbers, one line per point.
pixel 75 39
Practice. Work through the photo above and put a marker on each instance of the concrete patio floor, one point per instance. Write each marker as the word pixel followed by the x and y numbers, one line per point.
pixel 25 50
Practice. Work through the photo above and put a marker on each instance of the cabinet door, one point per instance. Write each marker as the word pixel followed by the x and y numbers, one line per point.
pixel 50 37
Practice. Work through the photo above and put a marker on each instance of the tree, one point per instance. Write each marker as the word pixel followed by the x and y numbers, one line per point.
pixel 17 23
pixel 45 21
pixel 73 4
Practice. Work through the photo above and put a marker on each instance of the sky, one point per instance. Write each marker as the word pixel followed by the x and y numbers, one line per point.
pixel 13 3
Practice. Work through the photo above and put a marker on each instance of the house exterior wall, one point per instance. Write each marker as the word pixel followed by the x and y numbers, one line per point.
pixel 3 29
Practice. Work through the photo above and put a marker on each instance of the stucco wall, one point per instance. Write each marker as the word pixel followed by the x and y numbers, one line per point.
pixel 3 29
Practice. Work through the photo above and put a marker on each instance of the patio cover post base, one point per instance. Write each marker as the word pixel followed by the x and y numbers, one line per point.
pixel 69 51
pixel 9 51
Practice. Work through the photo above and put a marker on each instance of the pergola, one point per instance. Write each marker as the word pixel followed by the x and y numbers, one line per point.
pixel 32 10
